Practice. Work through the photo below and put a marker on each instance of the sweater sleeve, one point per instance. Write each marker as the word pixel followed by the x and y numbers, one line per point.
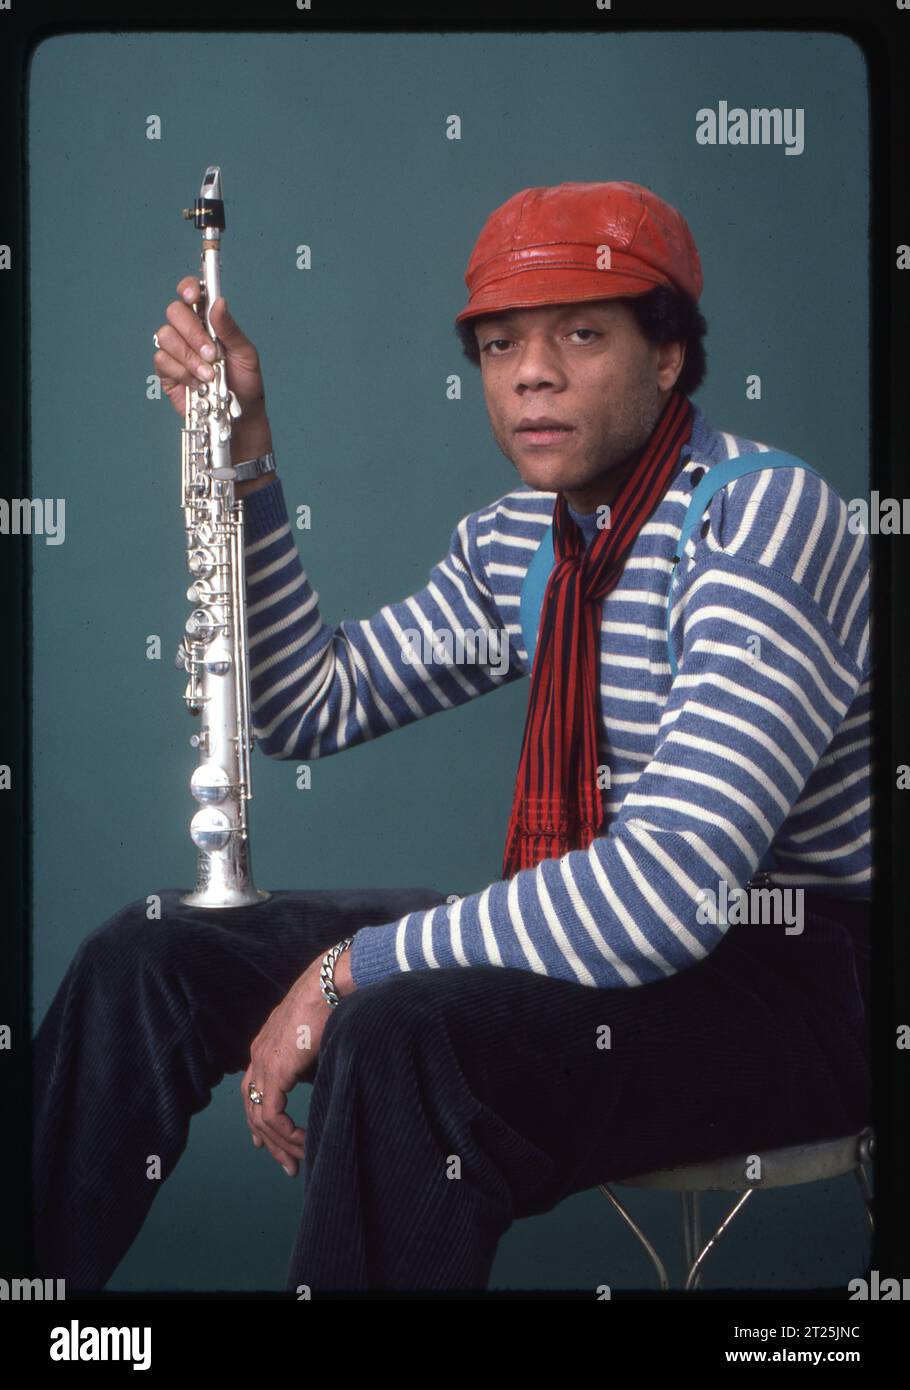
pixel 315 689
pixel 744 725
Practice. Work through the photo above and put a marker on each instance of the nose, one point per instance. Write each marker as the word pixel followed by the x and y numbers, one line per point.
pixel 538 364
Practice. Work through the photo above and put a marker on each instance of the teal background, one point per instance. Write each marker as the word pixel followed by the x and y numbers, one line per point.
pixel 339 142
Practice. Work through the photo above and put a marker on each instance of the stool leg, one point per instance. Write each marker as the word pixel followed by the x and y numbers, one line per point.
pixel 655 1258
pixel 865 1189
pixel 695 1272
pixel 691 1228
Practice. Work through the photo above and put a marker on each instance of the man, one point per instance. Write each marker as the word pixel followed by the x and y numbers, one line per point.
pixel 586 1017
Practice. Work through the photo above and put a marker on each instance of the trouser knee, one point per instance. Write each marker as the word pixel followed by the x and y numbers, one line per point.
pixel 136 933
pixel 392 1017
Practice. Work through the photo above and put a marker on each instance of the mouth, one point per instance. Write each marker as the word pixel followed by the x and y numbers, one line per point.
pixel 544 432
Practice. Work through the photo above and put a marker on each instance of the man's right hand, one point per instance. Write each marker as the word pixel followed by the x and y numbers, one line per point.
pixel 181 360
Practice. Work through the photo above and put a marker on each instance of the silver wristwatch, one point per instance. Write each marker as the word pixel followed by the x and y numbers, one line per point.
pixel 254 468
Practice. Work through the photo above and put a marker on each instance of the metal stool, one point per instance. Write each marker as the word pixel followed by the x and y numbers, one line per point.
pixel 825 1158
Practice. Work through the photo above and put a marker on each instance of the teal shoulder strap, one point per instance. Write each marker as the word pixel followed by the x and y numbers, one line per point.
pixel 716 478
pixel 535 581
pixel 533 588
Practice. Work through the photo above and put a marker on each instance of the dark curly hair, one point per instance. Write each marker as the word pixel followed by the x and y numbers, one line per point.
pixel 664 315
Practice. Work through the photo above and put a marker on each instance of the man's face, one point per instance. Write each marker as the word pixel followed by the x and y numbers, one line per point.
pixel 587 366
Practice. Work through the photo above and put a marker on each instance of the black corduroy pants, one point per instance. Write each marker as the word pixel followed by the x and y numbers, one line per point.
pixel 446 1103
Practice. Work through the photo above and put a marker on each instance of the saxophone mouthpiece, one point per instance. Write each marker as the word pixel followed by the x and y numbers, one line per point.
pixel 208 209
pixel 211 183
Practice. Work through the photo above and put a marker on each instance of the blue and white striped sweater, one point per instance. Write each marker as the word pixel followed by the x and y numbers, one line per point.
pixel 754 742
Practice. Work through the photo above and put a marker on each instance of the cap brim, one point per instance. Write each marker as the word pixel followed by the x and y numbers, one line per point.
pixel 533 289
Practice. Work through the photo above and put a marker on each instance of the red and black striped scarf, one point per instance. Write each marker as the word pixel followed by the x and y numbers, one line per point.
pixel 557 805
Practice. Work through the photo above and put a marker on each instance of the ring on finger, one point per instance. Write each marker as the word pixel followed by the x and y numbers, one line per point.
pixel 256 1096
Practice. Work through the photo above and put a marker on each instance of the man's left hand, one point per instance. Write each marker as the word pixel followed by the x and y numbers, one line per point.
pixel 285 1051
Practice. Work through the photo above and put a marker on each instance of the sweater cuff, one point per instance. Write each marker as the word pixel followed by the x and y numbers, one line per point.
pixel 263 511
pixel 374 954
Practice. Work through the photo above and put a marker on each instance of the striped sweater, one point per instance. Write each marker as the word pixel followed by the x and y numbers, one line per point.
pixel 762 739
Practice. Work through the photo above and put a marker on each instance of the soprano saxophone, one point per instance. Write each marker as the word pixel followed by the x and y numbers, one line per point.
pixel 213 650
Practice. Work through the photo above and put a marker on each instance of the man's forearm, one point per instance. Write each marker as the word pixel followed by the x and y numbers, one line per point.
pixel 250 437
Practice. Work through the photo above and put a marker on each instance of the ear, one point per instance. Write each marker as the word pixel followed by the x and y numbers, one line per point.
pixel 670 360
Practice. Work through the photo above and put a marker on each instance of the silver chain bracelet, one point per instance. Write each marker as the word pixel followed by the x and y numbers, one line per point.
pixel 327 971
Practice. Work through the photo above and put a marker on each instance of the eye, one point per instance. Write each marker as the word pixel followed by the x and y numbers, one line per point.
pixel 592 332
pixel 493 341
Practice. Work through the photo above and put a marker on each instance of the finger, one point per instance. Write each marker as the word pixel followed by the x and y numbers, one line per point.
pixel 189 288
pixel 226 326
pixel 271 1119
pixel 282 1130
pixel 284 1156
pixel 248 1107
pixel 290 1162
pixel 189 364
pixel 237 345
pixel 170 372
pixel 287 1155
pixel 276 1126
pixel 286 1160
pixel 173 389
pixel 192 338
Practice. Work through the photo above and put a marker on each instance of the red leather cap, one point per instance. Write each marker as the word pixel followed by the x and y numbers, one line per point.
pixel 545 246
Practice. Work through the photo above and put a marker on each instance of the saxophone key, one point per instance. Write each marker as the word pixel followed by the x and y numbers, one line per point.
pixel 210 829
pixel 202 625
pixel 210 784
